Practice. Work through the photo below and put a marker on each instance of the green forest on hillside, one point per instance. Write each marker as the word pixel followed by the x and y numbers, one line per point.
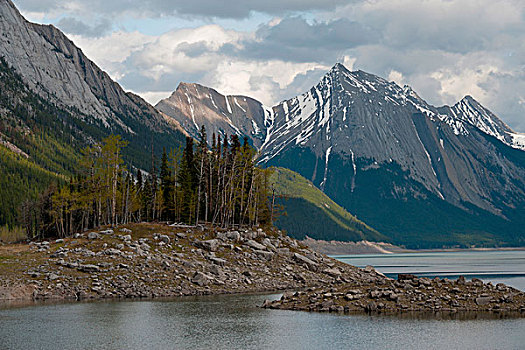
pixel 309 212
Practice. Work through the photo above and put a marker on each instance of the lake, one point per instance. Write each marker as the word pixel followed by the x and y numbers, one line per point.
pixel 234 322
pixel 496 266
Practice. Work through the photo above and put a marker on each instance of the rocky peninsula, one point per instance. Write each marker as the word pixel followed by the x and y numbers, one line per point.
pixel 159 260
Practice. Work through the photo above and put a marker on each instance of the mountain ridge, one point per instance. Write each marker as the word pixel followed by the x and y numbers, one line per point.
pixel 58 71
pixel 352 125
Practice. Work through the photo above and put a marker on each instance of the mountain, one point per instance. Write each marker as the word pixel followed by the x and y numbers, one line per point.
pixel 57 71
pixel 194 105
pixel 54 101
pixel 305 203
pixel 424 176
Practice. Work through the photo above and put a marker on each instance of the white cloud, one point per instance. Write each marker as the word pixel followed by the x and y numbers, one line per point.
pixel 396 77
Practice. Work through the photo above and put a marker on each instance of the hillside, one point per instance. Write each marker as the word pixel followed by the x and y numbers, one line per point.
pixel 39 144
pixel 58 72
pixel 310 212
pixel 54 102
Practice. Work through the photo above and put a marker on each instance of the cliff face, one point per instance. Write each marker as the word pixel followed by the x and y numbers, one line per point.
pixel 54 68
pixel 194 105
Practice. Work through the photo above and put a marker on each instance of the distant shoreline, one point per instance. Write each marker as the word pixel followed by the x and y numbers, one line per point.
pixel 335 248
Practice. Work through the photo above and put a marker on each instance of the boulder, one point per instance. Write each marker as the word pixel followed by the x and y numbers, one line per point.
pixel 269 245
pixel 371 306
pixel 93 235
pixel 334 272
pixel 112 251
pixel 53 276
pixel 252 244
pixel 210 245
pixel 165 239
pixel 483 300
pixel 218 261
pixel 201 279
pixel 233 235
pixel 304 260
pixel 88 268
pixel 406 277
pixel 264 254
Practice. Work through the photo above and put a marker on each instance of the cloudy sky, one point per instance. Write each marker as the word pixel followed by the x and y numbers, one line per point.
pixel 276 49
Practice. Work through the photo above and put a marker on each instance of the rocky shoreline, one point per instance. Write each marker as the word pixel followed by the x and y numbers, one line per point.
pixel 406 294
pixel 158 260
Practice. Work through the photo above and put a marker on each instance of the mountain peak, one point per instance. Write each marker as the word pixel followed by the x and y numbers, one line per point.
pixel 338 67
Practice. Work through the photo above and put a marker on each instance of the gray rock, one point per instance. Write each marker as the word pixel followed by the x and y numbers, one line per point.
pixel 264 254
pixel 233 235
pixel 112 251
pixel 88 268
pixel 371 306
pixel 269 245
pixel 483 300
pixel 53 276
pixel 201 279
pixel 210 245
pixel 93 235
pixel 304 260
pixel 165 239
pixel 334 272
pixel 252 244
pixel 369 269
pixel 218 261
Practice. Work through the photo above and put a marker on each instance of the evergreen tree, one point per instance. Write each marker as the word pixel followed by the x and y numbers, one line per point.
pixel 188 181
pixel 166 186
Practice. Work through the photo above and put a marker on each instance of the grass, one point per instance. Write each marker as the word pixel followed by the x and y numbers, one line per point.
pixel 12 235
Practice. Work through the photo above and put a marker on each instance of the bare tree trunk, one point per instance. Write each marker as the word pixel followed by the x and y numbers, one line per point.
pixel 199 190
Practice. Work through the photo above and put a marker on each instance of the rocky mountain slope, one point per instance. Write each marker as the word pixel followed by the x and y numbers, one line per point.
pixel 194 105
pixel 57 71
pixel 418 173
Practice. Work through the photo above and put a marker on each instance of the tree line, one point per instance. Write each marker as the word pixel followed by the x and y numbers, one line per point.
pixel 219 185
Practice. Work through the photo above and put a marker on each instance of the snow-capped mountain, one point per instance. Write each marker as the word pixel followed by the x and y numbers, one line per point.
pixel 404 166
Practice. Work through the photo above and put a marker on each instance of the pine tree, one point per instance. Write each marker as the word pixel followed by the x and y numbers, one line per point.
pixel 188 182
pixel 166 187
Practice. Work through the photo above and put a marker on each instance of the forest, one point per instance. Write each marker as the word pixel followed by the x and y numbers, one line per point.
pixel 194 184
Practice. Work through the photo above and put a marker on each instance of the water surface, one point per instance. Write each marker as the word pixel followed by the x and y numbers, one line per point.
pixel 234 322
pixel 496 266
